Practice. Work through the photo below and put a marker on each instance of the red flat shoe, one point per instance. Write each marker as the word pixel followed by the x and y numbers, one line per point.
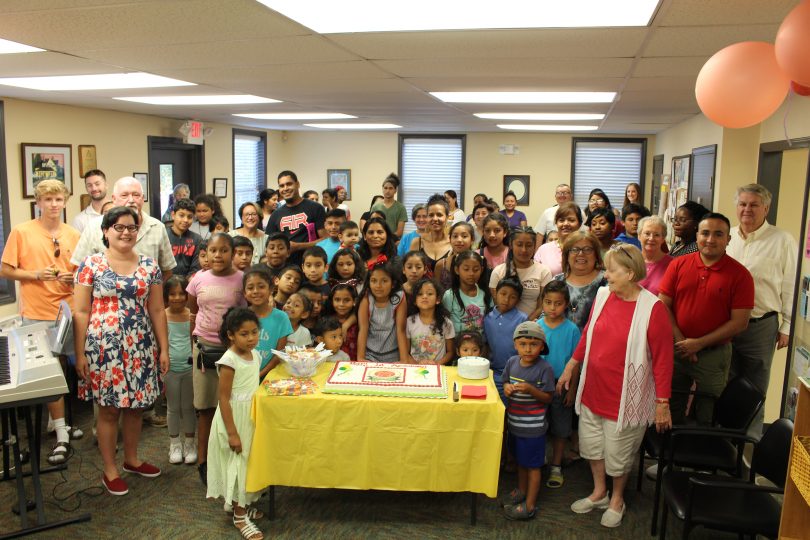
pixel 145 469
pixel 116 486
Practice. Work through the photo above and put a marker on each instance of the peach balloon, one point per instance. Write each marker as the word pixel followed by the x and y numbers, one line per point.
pixel 741 85
pixel 793 44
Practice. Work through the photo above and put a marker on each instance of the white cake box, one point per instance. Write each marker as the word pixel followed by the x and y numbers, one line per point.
pixel 473 367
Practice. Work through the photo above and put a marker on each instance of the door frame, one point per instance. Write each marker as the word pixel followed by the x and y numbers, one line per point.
pixel 197 167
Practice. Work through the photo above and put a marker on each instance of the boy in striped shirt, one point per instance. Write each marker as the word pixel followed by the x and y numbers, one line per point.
pixel 529 386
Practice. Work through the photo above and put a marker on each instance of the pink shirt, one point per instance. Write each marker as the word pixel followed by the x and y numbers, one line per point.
pixel 551 255
pixel 655 271
pixel 495 260
pixel 215 295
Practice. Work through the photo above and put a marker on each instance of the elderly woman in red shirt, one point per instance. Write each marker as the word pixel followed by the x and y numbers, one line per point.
pixel 626 345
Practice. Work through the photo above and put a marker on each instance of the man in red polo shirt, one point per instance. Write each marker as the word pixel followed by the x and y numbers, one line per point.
pixel 710 297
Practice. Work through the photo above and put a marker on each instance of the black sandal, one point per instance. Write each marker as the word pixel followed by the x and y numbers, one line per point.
pixel 59 454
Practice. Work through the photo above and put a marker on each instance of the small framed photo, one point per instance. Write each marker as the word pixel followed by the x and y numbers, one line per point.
pixel 221 187
pixel 46 162
pixel 342 178
pixel 519 185
pixel 36 212
pixel 143 178
pixel 87 159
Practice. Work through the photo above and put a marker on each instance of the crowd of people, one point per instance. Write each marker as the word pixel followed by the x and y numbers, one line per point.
pixel 577 315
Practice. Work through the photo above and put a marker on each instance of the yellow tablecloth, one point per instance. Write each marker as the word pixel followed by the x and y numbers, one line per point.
pixel 358 442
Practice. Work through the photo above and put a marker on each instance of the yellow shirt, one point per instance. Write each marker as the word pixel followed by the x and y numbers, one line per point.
pixel 30 247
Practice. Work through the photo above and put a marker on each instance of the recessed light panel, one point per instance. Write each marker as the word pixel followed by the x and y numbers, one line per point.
pixel 546 127
pixel 375 16
pixel 12 47
pixel 297 116
pixel 525 97
pixel 354 126
pixel 554 117
pixel 237 99
pixel 105 81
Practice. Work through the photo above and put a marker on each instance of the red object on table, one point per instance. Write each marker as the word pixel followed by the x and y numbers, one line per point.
pixel 473 391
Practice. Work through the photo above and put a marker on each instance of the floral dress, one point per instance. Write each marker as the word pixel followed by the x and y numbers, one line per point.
pixel 121 349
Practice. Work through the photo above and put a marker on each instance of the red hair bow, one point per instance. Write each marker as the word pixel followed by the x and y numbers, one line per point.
pixel 379 260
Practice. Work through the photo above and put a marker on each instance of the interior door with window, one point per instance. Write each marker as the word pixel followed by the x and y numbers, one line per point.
pixel 173 162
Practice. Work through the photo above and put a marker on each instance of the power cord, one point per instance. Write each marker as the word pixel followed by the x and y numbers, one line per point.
pixel 90 477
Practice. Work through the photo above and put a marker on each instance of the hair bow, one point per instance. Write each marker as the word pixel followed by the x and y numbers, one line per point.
pixel 352 282
pixel 379 260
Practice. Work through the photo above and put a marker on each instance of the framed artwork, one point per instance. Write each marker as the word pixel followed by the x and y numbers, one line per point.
pixel 36 212
pixel 221 187
pixel 46 162
pixel 87 158
pixel 340 177
pixel 519 185
pixel 680 171
pixel 143 178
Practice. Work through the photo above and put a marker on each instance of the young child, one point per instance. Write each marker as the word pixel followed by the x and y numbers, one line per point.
pixel 461 239
pixel 334 219
pixel 415 266
pixel 552 236
pixel 521 264
pixel 185 244
pixel 276 252
pixel 314 263
pixel 219 224
pixel 631 215
pixel 315 296
pixel 562 337
pixel 468 300
pixel 274 325
pixel 329 332
pixel 206 206
pixel 179 388
pixel 469 343
pixel 297 309
pixel 287 282
pixel 341 304
pixel 500 324
pixel 383 303
pixel 428 328
pixel 210 294
pixel 494 246
pixel 203 256
pixel 347 267
pixel 232 429
pixel 242 253
pixel 528 385
pixel 349 235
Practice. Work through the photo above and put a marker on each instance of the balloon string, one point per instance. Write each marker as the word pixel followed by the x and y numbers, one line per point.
pixel 785 118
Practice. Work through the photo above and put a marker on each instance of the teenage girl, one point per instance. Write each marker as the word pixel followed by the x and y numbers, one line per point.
pixel 494 245
pixel 206 207
pixel 435 242
pixel 210 295
pixel 414 267
pixel 179 388
pixel 274 325
pixel 468 300
pixel 287 282
pixel 521 264
pixel 429 330
pixel 232 428
pixel 341 304
pixel 347 267
pixel 461 239
pixel 383 302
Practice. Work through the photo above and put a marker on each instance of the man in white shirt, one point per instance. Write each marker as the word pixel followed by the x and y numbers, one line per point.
pixel 95 182
pixel 770 255
pixel 546 223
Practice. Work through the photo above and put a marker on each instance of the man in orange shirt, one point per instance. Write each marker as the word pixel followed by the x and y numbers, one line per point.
pixel 37 254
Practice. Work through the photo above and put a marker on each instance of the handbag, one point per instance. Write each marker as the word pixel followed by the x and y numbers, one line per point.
pixel 208 355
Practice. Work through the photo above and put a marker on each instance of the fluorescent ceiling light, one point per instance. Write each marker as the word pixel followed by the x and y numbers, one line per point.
pixel 375 16
pixel 236 99
pixel 297 116
pixel 541 116
pixel 354 126
pixel 11 47
pixel 546 127
pixel 525 97
pixel 105 81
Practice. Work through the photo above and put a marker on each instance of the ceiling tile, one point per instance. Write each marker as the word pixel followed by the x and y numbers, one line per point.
pixel 503 84
pixel 670 66
pixel 712 12
pixel 704 40
pixel 508 67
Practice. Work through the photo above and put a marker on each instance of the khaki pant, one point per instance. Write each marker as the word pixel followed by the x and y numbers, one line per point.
pixel 709 373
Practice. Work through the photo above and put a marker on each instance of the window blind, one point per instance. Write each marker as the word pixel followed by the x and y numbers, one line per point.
pixel 249 170
pixel 609 166
pixel 430 166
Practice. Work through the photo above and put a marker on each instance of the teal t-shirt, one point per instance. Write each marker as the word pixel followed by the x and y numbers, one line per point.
pixel 179 346
pixel 562 341
pixel 273 327
pixel 330 246
pixel 470 315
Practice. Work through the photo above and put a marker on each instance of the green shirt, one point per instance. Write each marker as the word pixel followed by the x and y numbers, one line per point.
pixel 394 215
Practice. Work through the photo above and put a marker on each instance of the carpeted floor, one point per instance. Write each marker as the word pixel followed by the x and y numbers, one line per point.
pixel 174 506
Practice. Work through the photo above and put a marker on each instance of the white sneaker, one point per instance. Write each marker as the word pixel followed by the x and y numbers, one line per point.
pixel 175 453
pixel 190 451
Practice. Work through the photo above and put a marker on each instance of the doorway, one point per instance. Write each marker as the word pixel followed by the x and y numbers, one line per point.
pixel 172 162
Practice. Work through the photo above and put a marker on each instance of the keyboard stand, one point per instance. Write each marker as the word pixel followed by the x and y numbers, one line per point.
pixel 11 444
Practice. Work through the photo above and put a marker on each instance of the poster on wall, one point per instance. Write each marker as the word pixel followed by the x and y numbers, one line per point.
pixel 46 162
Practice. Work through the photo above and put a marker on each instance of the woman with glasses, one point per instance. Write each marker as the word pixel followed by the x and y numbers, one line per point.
pixel 250 215
pixel 122 346
pixel 685 226
pixel 583 274
pixel 625 358
pixel 652 233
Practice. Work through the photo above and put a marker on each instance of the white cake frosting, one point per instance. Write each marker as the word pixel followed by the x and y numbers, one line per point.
pixel 473 367
pixel 387 379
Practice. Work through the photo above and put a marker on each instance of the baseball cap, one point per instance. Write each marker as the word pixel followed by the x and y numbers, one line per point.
pixel 530 329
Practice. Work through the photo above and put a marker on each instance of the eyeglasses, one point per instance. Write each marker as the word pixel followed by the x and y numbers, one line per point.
pixel 596 200
pixel 587 250
pixel 119 228
pixel 56 251
pixel 250 214
pixel 618 248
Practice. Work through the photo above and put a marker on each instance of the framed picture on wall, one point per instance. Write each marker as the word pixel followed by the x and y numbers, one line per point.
pixel 221 187
pixel 36 212
pixel 143 178
pixel 341 178
pixel 519 185
pixel 87 159
pixel 46 162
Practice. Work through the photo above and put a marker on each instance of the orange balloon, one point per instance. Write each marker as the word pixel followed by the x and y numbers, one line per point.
pixel 793 44
pixel 741 85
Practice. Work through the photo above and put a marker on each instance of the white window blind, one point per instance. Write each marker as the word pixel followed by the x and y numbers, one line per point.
pixel 609 166
pixel 430 166
pixel 249 170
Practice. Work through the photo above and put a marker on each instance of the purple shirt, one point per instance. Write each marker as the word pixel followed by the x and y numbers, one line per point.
pixel 215 295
